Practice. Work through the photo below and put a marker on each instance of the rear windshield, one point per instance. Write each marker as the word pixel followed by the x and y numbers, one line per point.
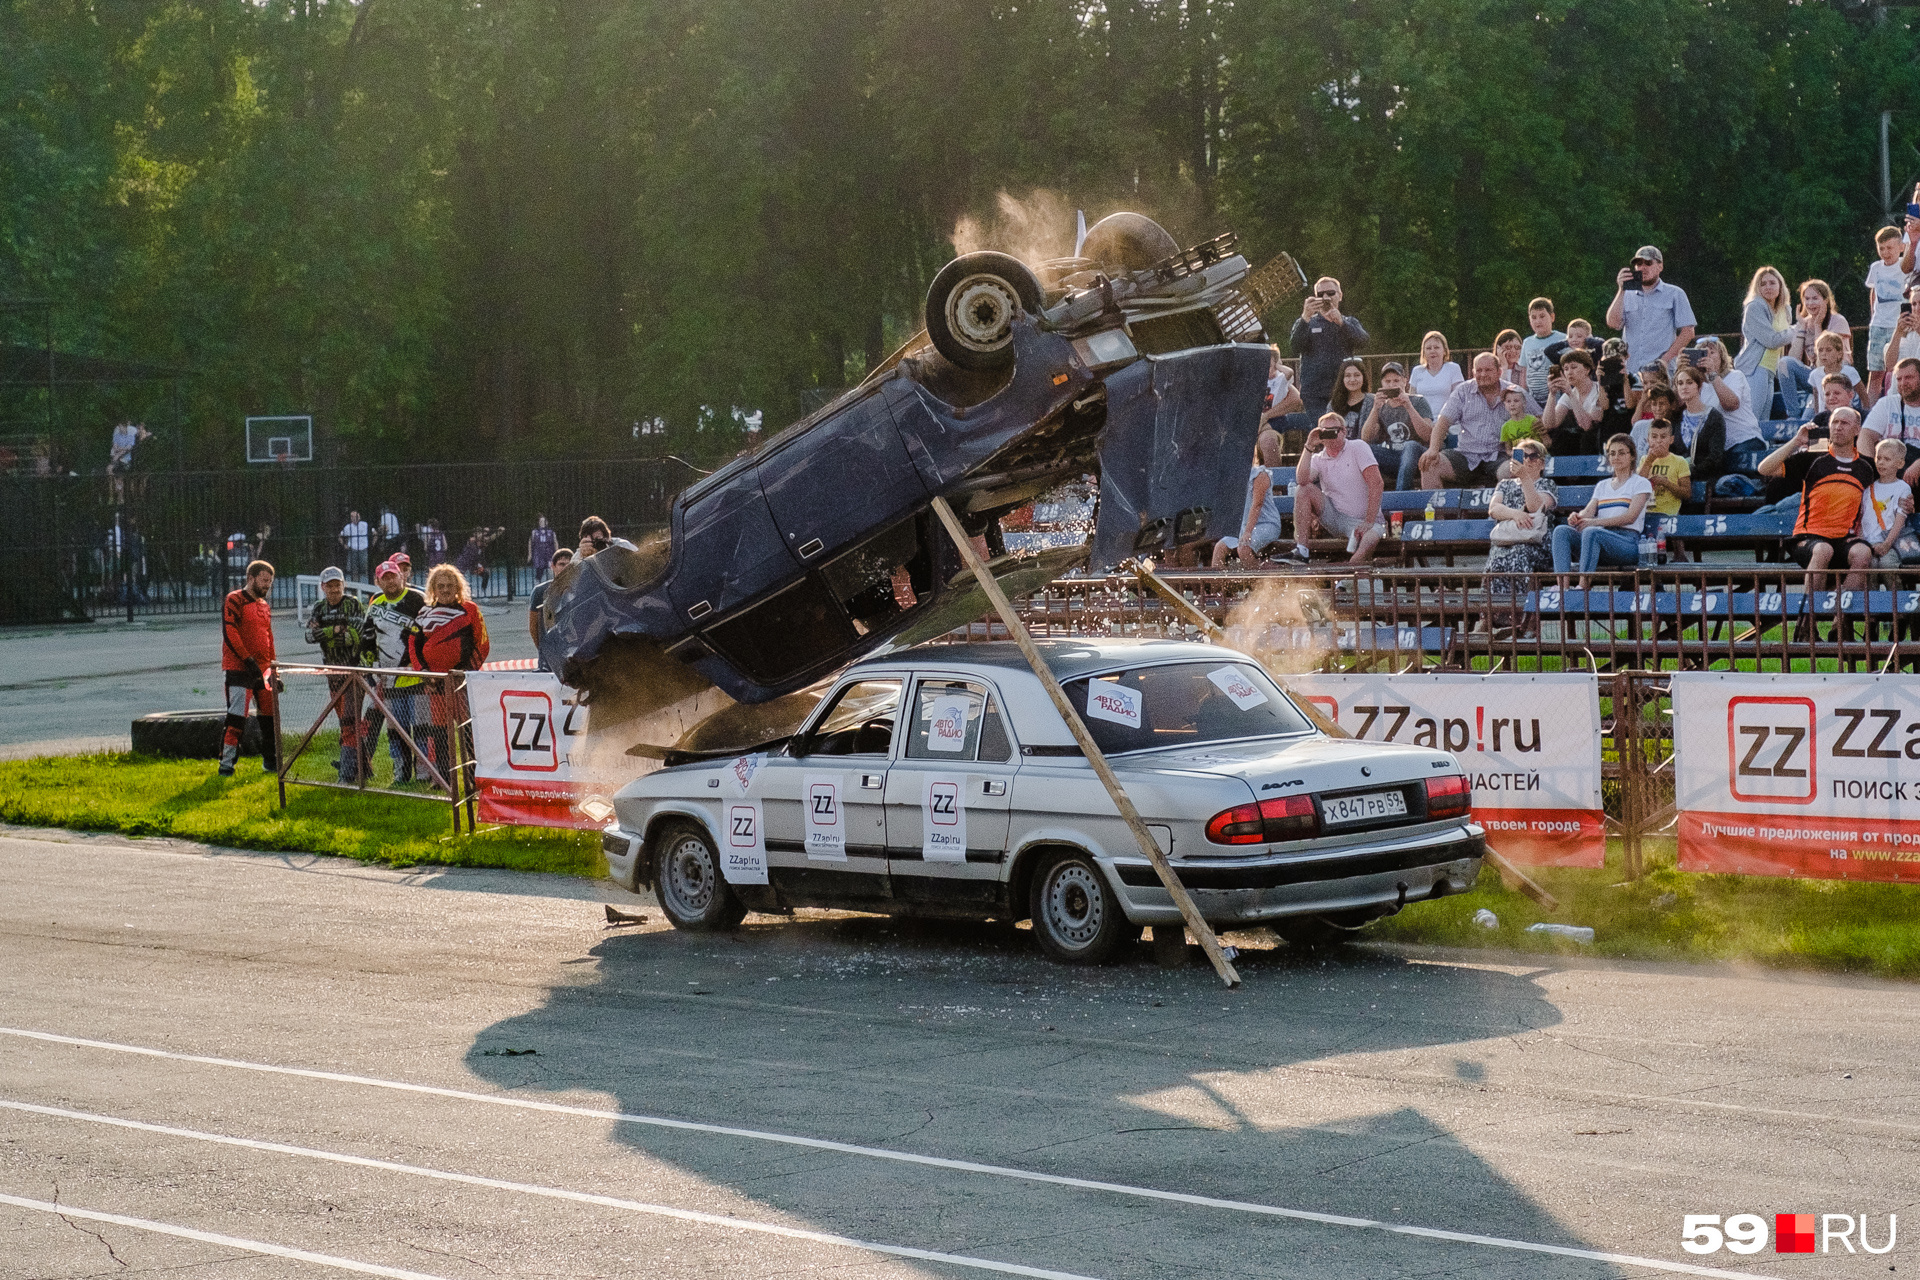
pixel 1182 705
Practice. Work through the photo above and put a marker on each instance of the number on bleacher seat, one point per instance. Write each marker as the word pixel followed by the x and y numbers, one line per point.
pixel 1716 525
pixel 1421 532
pixel 1770 601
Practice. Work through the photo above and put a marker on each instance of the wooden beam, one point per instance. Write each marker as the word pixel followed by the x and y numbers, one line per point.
pixel 1149 847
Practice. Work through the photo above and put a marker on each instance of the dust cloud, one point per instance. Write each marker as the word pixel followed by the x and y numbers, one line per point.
pixel 1033 228
pixel 1284 623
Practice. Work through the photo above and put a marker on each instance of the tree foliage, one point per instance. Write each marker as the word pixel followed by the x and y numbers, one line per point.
pixel 514 228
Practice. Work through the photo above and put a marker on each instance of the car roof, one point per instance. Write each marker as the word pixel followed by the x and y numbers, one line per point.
pixel 1068 659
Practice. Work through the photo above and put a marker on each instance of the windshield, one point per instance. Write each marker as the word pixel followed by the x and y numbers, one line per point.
pixel 1183 705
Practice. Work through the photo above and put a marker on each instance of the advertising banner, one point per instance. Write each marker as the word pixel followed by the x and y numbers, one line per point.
pixel 1531 744
pixel 526 730
pixel 1798 775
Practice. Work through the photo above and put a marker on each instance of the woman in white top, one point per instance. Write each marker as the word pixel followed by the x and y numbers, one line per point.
pixel 1817 316
pixel 1575 404
pixel 1906 334
pixel 1435 376
pixel 1608 527
pixel 1766 331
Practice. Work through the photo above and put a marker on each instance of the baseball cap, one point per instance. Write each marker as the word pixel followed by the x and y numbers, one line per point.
pixel 332 574
pixel 1649 253
pixel 386 567
pixel 400 557
pixel 1393 366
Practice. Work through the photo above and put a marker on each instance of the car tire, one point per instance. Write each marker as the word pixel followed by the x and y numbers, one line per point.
pixel 1076 916
pixel 971 306
pixel 687 880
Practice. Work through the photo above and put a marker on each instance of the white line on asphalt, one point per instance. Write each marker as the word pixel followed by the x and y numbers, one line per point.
pixel 208 1237
pixel 555 1193
pixel 904 1157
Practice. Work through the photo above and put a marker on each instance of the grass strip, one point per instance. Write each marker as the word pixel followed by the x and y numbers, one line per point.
pixel 187 799
pixel 1833 925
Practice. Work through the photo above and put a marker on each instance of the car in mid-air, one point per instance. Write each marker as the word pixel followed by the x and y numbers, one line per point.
pixel 942 780
pixel 1137 361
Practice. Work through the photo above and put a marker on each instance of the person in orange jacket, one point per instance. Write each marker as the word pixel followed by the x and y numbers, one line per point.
pixel 450 634
pixel 246 656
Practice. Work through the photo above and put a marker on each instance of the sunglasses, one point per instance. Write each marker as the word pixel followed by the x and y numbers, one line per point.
pixel 1319 294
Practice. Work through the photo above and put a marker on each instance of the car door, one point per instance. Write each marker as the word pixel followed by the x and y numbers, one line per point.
pixel 948 794
pixel 826 828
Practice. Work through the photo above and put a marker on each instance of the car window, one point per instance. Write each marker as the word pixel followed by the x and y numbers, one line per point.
pixel 956 720
pixel 859 722
pixel 881 578
pixel 1182 705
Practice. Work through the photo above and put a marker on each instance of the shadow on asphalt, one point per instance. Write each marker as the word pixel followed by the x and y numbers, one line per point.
pixel 960 1040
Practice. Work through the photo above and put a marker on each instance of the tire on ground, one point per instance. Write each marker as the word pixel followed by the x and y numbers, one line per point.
pixel 971 306
pixel 1077 918
pixel 686 876
pixel 190 735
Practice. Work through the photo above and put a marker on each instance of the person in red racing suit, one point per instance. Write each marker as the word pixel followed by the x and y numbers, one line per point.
pixel 246 655
pixel 448 635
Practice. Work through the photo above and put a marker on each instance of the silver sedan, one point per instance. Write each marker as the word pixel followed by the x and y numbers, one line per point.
pixel 942 781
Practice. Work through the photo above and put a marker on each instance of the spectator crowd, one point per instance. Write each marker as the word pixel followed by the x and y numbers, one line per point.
pixel 1786 424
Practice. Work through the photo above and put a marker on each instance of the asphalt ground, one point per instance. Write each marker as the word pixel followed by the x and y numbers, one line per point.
pixel 209 1056
pixel 77 687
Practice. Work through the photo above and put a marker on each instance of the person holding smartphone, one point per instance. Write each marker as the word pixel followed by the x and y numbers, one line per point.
pixel 1323 337
pixel 1397 427
pixel 1653 316
pixel 1337 489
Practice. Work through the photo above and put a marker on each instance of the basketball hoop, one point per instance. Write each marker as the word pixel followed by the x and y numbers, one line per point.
pixel 281 440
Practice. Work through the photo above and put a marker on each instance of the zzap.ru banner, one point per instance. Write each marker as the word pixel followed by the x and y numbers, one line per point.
pixel 526 731
pixel 1531 744
pixel 1798 775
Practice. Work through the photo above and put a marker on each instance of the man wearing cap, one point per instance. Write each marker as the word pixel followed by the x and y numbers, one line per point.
pixel 1653 316
pixel 1397 427
pixel 337 623
pixel 389 615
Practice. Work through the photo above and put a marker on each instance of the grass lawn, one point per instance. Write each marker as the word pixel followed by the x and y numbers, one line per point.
pixel 143 796
pixel 1673 915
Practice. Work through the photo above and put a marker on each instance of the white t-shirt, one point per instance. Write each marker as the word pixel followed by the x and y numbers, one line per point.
pixel 1533 359
pixel 1436 387
pixel 1595 401
pixel 1612 501
pixel 355 534
pixel 1279 384
pixel 1888 284
pixel 389 525
pixel 1880 507
pixel 1344 479
pixel 1893 418
pixel 1742 423
pixel 125 436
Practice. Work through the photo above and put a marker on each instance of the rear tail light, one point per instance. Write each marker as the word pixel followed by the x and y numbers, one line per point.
pixel 1449 797
pixel 1291 818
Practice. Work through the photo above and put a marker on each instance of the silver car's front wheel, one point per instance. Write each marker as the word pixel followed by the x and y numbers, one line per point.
pixel 1075 915
pixel 687 874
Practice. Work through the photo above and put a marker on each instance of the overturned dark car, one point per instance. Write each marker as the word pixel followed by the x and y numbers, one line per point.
pixel 1136 360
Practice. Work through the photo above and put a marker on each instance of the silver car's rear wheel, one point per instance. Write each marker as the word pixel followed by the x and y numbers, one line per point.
pixel 686 871
pixel 1075 915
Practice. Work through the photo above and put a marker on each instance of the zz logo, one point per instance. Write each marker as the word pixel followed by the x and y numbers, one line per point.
pixel 823 805
pixel 943 799
pixel 527 731
pixel 743 827
pixel 1771 750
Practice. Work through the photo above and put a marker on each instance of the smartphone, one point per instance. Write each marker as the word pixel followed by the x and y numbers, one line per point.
pixel 1906 308
pixel 1819 433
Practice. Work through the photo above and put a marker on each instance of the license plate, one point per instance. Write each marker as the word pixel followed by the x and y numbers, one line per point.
pixel 1377 804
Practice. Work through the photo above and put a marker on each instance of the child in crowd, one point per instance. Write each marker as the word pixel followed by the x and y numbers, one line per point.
pixel 1886 289
pixel 1520 424
pixel 1882 518
pixel 1660 403
pixel 1652 374
pixel 1534 358
pixel 1670 474
pixel 1830 350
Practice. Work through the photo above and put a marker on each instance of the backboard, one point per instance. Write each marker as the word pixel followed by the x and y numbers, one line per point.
pixel 280 439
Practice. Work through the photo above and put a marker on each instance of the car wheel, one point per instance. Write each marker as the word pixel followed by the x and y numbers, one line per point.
pixel 1075 914
pixel 686 875
pixel 971 306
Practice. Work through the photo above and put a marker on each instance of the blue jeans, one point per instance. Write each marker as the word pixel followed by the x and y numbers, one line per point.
pixel 1597 546
pixel 1796 385
pixel 1402 462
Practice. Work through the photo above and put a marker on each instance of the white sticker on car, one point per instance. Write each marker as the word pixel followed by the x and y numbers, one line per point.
pixel 943 819
pixel 1233 682
pixel 1115 702
pixel 826 823
pixel 744 859
pixel 947 728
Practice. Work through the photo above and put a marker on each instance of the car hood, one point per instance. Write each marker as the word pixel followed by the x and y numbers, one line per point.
pixel 1309 763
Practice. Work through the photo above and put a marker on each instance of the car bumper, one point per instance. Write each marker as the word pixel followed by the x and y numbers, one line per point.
pixel 622 849
pixel 1376 875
